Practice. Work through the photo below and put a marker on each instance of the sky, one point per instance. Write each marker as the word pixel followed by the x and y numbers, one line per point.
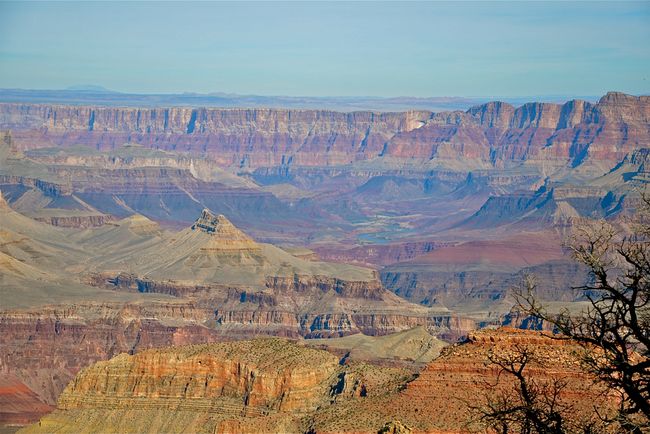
pixel 420 49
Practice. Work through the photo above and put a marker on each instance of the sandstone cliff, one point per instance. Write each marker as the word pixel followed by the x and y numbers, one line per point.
pixel 273 385
pixel 265 385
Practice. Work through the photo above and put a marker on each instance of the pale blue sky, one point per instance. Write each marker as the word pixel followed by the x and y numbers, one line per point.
pixel 330 49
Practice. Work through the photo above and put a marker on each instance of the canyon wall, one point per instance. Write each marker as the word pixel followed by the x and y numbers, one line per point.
pixel 255 137
pixel 493 133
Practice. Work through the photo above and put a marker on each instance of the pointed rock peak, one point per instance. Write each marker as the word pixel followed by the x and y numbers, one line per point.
pixel 225 235
pixel 209 222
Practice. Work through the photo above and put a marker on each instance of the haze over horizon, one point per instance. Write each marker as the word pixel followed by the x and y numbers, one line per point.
pixel 420 49
pixel 323 217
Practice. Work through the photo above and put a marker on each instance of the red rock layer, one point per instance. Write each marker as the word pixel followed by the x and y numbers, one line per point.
pixel 497 131
pixel 19 405
pixel 439 400
pixel 258 137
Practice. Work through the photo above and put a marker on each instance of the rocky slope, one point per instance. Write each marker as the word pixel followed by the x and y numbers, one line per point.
pixel 434 402
pixel 72 297
pixel 415 345
pixel 274 385
pixel 477 278
pixel 19 405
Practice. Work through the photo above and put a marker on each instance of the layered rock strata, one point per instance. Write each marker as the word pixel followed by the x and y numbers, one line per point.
pixel 255 137
pixel 493 132
pixel 273 385
pixel 264 385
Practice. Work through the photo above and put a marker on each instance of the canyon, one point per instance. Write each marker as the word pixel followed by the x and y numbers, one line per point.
pixel 147 245
pixel 73 296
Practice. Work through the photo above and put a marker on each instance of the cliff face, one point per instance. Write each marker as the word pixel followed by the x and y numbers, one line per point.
pixel 76 221
pixel 493 132
pixel 370 290
pixel 275 386
pixel 45 348
pixel 497 131
pixel 256 137
pixel 298 306
pixel 265 385
pixel 268 375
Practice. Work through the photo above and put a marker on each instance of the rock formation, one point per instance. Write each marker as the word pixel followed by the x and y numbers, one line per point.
pixel 225 236
pixel 273 385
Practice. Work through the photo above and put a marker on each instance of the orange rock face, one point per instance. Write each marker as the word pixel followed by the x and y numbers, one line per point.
pixel 273 385
pixel 261 376
pixel 439 399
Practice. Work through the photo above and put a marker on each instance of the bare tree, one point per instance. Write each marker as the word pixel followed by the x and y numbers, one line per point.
pixel 523 405
pixel 521 402
pixel 614 329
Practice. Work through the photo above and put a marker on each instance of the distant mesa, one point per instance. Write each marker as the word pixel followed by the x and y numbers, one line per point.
pixel 89 88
